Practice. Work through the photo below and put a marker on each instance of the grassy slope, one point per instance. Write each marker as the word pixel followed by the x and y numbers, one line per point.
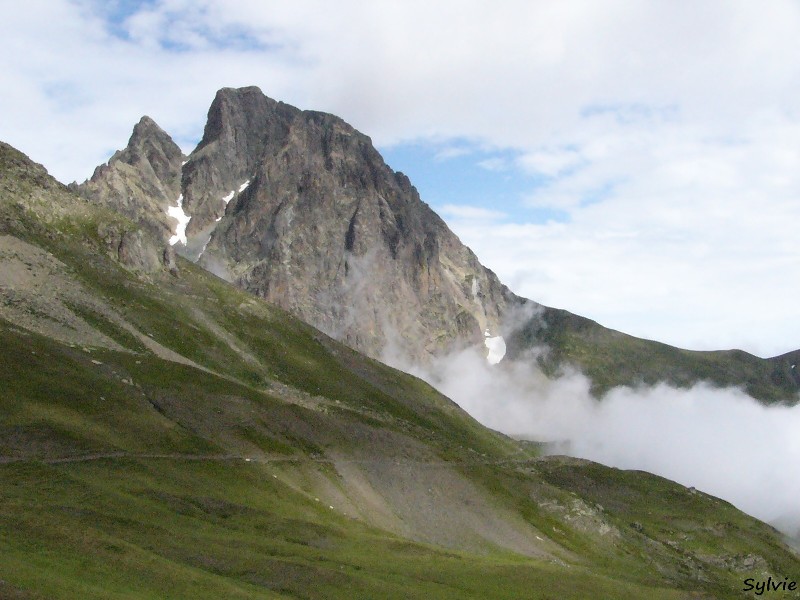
pixel 611 358
pixel 168 508
pixel 161 523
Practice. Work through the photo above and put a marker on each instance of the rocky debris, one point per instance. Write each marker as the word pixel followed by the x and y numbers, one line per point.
pixel 37 293
pixel 168 259
pixel 27 188
pixel 582 517
pixel 130 247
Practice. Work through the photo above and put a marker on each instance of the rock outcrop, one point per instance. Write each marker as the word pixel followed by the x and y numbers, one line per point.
pixel 142 180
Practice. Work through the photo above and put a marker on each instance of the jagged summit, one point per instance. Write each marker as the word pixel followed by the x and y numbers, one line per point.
pixel 141 180
pixel 299 208
pixel 242 125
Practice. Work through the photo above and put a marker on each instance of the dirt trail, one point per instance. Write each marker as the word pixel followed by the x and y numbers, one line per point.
pixel 4 460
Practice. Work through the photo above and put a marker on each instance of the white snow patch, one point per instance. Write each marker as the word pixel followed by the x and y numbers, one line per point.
pixel 176 212
pixel 243 187
pixel 218 219
pixel 229 197
pixel 184 162
pixel 496 346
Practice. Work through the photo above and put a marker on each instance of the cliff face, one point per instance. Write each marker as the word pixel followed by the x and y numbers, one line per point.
pixel 327 230
pixel 243 125
pixel 299 208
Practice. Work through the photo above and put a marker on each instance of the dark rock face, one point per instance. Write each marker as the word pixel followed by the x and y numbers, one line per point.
pixel 299 208
pixel 140 181
pixel 242 125
pixel 327 230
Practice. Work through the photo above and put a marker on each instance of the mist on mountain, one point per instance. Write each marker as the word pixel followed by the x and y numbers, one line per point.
pixel 718 440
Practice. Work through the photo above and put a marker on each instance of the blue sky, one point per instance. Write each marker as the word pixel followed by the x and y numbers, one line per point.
pixel 637 163
pixel 460 173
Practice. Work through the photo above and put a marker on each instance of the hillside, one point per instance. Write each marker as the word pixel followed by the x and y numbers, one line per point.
pixel 611 358
pixel 165 434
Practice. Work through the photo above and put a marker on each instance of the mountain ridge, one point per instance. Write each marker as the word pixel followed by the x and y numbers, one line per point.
pixel 299 208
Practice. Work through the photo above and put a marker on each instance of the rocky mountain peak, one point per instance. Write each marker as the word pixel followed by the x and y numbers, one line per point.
pixel 242 125
pixel 150 145
pixel 142 180
pixel 239 117
pixel 319 224
pixel 300 208
pixel 151 151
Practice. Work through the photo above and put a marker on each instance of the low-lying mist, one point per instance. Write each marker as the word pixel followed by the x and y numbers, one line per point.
pixel 720 441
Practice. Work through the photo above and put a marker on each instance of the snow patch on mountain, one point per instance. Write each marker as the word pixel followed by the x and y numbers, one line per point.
pixel 177 213
pixel 496 346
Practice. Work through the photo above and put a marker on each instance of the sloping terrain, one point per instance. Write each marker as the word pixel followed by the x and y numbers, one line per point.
pixel 166 435
pixel 611 358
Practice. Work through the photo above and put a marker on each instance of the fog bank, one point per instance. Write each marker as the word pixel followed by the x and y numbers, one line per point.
pixel 720 441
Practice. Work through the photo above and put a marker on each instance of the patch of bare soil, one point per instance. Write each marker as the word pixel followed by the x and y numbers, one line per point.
pixel 429 501
pixel 35 293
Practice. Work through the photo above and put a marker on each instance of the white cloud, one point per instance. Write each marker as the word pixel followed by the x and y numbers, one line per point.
pixel 494 163
pixel 472 213
pixel 671 236
pixel 449 152
pixel 550 162
pixel 720 441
